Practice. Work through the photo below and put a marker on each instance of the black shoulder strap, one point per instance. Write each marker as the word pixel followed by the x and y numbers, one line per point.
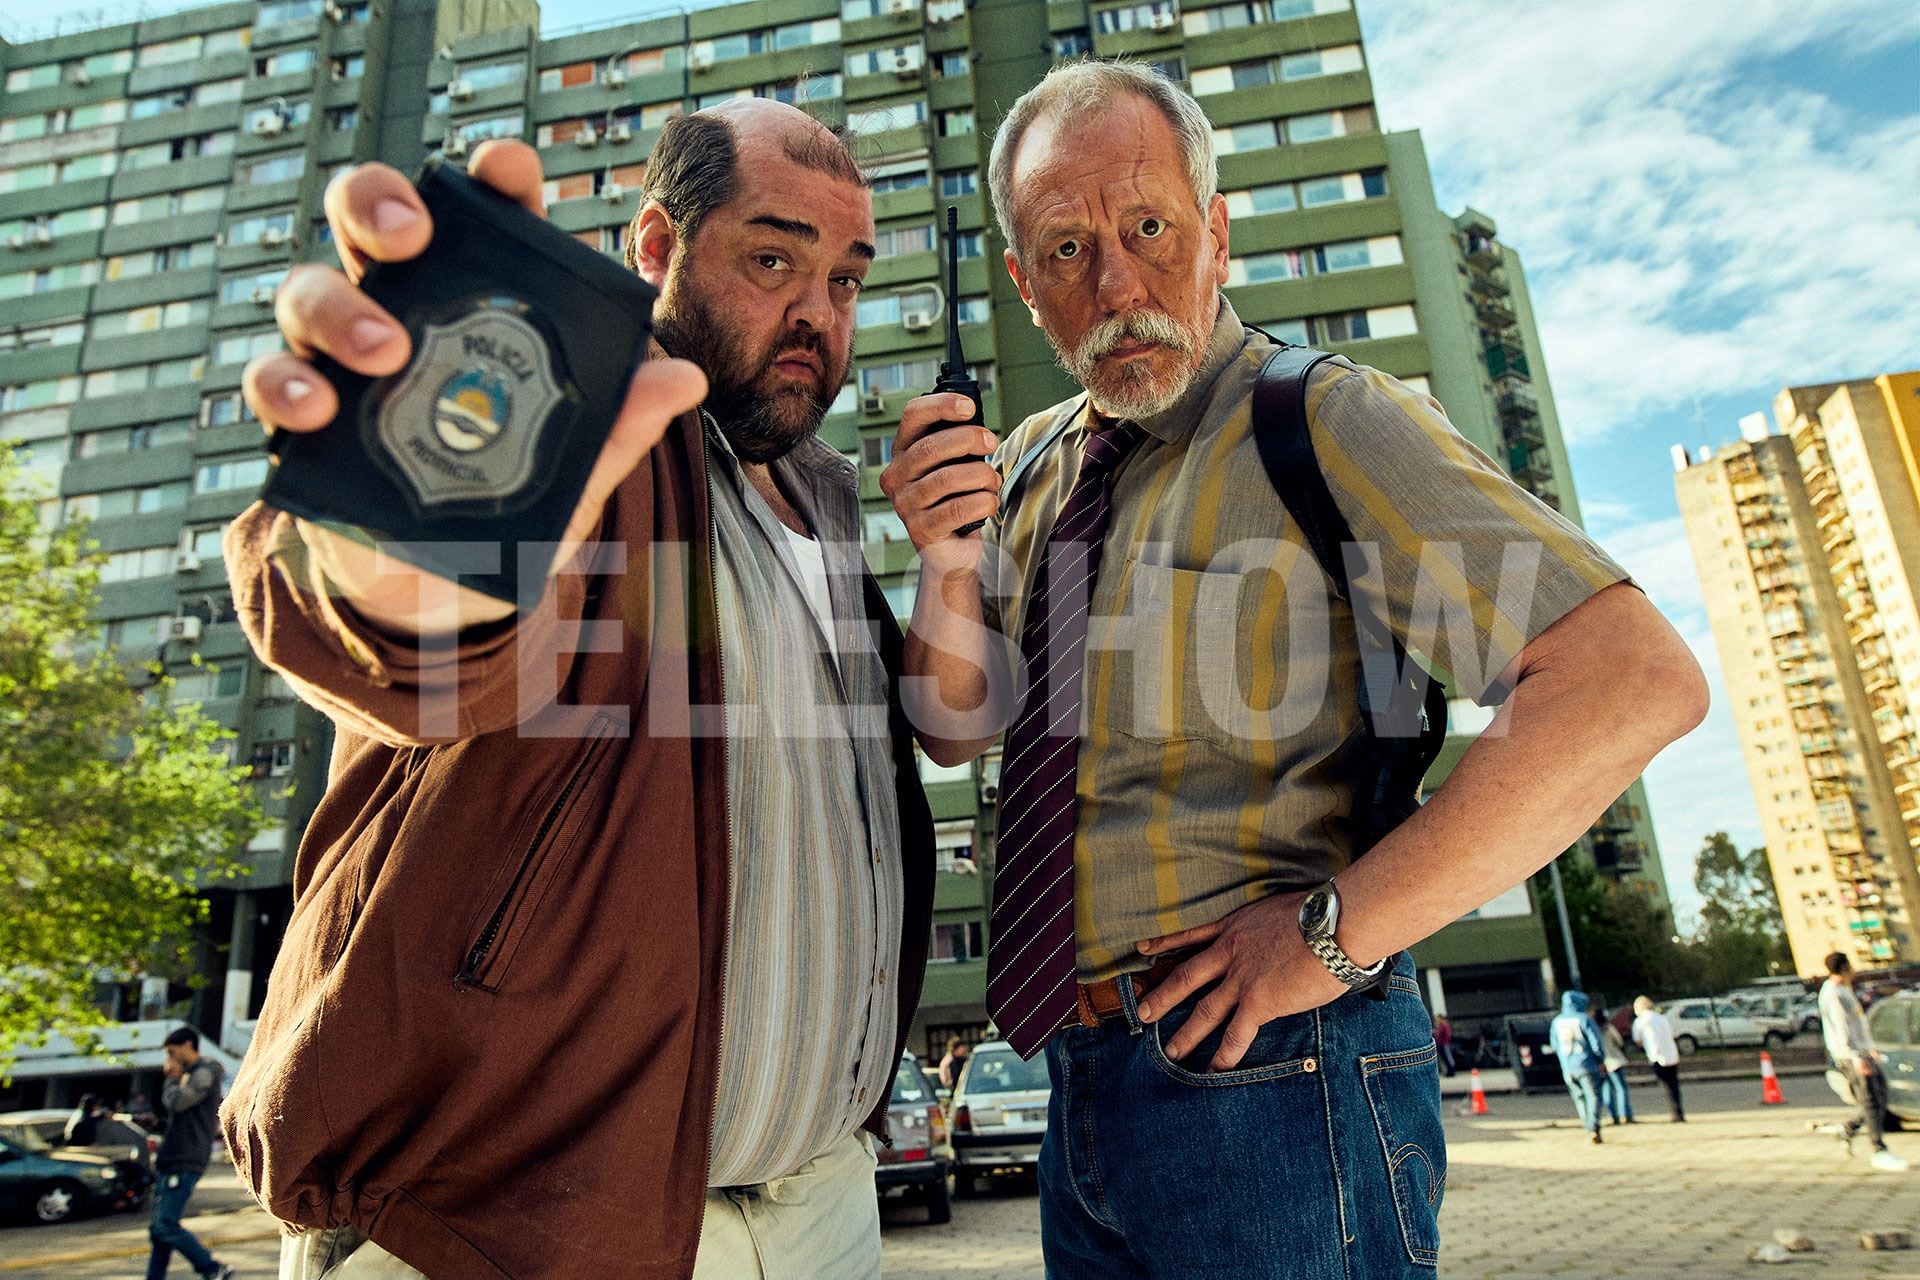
pixel 1403 708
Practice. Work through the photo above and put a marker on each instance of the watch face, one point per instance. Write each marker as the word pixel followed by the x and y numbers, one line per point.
pixel 1314 912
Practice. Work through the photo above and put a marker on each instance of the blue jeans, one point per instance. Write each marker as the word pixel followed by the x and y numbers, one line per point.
pixel 164 1230
pixel 1613 1092
pixel 1585 1088
pixel 1320 1157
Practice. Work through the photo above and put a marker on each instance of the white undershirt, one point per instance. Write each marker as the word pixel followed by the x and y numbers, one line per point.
pixel 812 563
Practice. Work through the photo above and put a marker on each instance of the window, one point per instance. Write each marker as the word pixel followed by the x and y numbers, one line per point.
pixel 1329 124
pixel 876 451
pixel 350 67
pixel 289 114
pixel 1265 268
pixel 961 182
pixel 1240 75
pixel 128 502
pixel 47 279
pixel 493 75
pixel 185 49
pixel 820 88
pixel 252 286
pixel 165 315
pixel 26 177
pixel 1342 188
pixel 135 633
pixel 954 943
pixel 203 541
pixel 854 10
pixel 1276 198
pixel 165 153
pixel 571 76
pixel 491 127
pixel 896 115
pixel 898 240
pixel 138 377
pixel 1351 255
pixel 239 473
pixel 343 119
pixel 884 309
pixel 954 124
pixel 1378 322
pixel 66 120
pixel 886 61
pixel 885 379
pixel 972 311
pixel 886 525
pixel 1073 44
pixel 170 258
pixel 1284 9
pixel 223 409
pixel 748 43
pixel 281 168
pixel 272 227
pixel 275 12
pixel 100 444
pixel 897 175
pixel 1320 62
pixel 35 395
pixel 62 334
pixel 577 186
pixel 1157 16
pixel 957 62
pixel 244 347
pixel 1252 136
pixel 130 566
pixel 284 63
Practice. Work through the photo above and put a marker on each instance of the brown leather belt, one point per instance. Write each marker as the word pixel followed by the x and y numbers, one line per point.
pixel 1101 1000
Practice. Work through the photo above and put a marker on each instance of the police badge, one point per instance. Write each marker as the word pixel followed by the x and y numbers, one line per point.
pixel 470 461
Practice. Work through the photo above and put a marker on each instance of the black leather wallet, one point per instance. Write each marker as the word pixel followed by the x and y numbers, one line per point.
pixel 469 462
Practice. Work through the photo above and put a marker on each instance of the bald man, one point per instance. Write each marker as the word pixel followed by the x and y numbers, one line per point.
pixel 608 975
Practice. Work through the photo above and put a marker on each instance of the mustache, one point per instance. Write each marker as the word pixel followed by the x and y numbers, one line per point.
pixel 799 342
pixel 1135 326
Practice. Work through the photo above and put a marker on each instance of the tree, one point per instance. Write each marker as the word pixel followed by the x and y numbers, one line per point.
pixel 1742 935
pixel 116 809
pixel 1623 938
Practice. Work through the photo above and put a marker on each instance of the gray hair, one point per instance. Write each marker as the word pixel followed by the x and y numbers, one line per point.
pixel 1077 90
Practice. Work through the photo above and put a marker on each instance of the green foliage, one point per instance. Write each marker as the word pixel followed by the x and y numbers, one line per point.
pixel 1742 935
pixel 115 809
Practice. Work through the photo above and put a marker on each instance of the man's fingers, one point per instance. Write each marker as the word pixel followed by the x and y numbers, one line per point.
pixel 1238 1039
pixel 285 391
pixel 942 446
pixel 1183 982
pixel 319 309
pixel 1214 1008
pixel 1185 938
pixel 512 168
pixel 929 413
pixel 376 216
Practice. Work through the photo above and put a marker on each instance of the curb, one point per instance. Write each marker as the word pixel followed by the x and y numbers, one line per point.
pixel 105 1255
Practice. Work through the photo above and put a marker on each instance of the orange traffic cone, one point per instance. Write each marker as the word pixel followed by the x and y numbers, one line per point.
pixel 1480 1107
pixel 1770 1094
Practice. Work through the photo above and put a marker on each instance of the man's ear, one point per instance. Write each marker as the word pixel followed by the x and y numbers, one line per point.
pixel 1217 225
pixel 1023 284
pixel 654 240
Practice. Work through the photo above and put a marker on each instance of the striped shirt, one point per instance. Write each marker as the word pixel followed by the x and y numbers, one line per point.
pixel 808 1005
pixel 1221 730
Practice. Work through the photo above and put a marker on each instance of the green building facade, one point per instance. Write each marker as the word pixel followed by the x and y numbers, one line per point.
pixel 158 178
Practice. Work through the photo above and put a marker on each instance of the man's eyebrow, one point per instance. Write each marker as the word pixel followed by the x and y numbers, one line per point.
pixel 808 232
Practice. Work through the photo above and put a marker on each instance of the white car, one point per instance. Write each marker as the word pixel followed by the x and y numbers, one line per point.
pixel 1721 1024
pixel 999 1115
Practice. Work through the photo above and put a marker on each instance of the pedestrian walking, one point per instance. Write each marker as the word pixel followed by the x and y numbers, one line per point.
pixel 1844 1028
pixel 1613 1061
pixel 1582 1054
pixel 191 1100
pixel 951 1065
pixel 1654 1034
pixel 618 906
pixel 1443 1041
pixel 1200 912
pixel 84 1124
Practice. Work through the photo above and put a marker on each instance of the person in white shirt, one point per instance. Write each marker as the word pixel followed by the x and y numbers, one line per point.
pixel 1654 1034
pixel 1844 1028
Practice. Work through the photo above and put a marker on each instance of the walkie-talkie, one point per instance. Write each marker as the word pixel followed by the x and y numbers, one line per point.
pixel 953 373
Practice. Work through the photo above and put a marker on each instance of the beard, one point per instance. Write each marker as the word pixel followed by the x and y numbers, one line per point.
pixel 762 414
pixel 1131 390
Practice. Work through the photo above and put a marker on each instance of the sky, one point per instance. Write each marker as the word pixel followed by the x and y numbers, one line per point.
pixel 1713 199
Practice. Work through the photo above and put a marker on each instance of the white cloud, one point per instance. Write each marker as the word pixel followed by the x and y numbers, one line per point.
pixel 1690 227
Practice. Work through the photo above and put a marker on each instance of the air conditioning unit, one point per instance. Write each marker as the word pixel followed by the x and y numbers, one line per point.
pixel 41 236
pixel 873 402
pixel 616 77
pixel 906 66
pixel 273 237
pixel 16 242
pixel 618 132
pixel 333 11
pixel 81 76
pixel 1163 20
pixel 459 90
pixel 900 8
pixel 269 126
pixel 700 60
pixel 453 145
pixel 185 630
pixel 186 562
pixel 613 193
pixel 587 137
pixel 989 792
pixel 916 320
pixel 262 296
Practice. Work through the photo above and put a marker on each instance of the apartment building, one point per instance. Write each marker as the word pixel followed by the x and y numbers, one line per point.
pixel 158 178
pixel 1806 535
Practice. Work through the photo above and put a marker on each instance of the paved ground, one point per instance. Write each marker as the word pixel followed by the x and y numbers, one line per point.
pixel 1527 1197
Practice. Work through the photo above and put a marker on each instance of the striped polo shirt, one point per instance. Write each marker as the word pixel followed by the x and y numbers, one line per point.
pixel 808 1002
pixel 1221 731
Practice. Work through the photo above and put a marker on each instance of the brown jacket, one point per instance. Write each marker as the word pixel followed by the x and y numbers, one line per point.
pixel 491 1036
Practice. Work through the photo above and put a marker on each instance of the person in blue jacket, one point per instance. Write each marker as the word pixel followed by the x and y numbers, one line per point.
pixel 1578 1043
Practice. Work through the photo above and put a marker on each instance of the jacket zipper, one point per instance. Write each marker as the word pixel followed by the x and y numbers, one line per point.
pixel 726 800
pixel 467 977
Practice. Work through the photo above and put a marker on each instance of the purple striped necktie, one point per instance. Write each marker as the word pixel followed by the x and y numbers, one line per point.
pixel 1030 958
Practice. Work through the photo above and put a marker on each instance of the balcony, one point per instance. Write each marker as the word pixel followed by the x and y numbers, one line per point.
pixel 1481 285
pixel 1507 360
pixel 1494 311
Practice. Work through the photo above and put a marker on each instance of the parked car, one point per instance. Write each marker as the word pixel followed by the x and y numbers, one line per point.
pixel 999 1115
pixel 1700 1022
pixel 1795 1008
pixel 1893 1028
pixel 921 1158
pixel 52 1186
pixel 116 1136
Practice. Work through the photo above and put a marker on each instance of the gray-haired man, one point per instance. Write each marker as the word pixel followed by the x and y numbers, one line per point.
pixel 1182 772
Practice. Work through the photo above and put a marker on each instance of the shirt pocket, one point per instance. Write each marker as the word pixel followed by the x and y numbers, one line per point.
pixel 1182 632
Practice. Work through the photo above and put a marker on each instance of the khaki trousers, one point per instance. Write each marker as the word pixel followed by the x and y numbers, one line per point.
pixel 821 1222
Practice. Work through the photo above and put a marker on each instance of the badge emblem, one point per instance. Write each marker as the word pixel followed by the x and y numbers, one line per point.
pixel 463 421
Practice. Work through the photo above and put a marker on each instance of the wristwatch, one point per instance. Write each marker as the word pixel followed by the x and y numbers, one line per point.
pixel 1319 917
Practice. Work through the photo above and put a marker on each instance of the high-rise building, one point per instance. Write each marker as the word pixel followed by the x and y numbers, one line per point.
pixel 1806 536
pixel 157 179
